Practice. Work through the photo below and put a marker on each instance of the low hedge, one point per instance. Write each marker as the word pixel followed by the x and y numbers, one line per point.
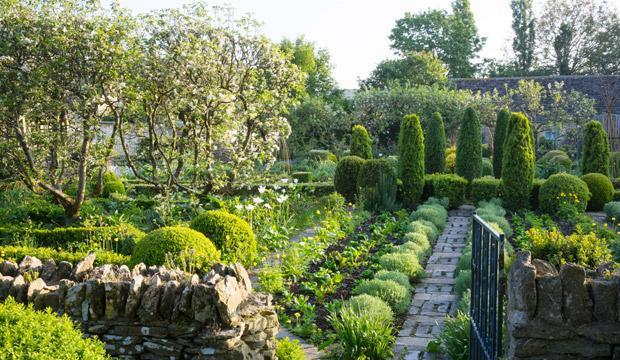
pixel 485 188
pixel 302 176
pixel 17 253
pixel 448 186
pixel 123 237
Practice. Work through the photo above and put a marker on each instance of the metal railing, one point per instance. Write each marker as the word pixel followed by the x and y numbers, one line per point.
pixel 487 291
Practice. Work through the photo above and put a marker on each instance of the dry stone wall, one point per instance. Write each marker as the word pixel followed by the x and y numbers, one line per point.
pixel 152 312
pixel 566 314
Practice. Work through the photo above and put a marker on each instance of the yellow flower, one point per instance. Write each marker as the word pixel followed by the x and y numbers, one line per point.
pixel 297 315
pixel 318 212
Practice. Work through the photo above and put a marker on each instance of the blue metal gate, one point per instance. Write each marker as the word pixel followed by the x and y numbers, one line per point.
pixel 487 292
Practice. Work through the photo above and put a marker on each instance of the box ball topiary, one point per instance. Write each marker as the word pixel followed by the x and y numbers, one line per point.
pixel 601 190
pixel 345 178
pixel 152 249
pixel 563 188
pixel 372 306
pixel 396 295
pixel 231 235
pixel 29 334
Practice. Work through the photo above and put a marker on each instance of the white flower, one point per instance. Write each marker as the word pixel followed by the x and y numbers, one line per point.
pixel 239 207
pixel 257 200
pixel 249 207
pixel 261 189
pixel 276 187
pixel 285 180
pixel 267 206
pixel 282 198
pixel 295 181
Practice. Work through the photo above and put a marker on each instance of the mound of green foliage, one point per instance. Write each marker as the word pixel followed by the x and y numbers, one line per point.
pixel 601 190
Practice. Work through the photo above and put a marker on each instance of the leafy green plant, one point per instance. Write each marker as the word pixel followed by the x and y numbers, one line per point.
pixel 112 185
pixel 487 167
pixel 152 249
pixel 396 295
pixel 290 350
pixel 553 162
pixel 377 184
pixel 435 145
pixel 469 146
pixel 435 213
pixel 395 276
pixel 601 190
pixel 454 336
pixel 271 280
pixel 518 163
pixel 406 263
pixel 411 159
pixel 418 238
pixel 361 144
pixel 361 337
pixel 596 151
pixel 424 227
pixel 232 236
pixel 29 334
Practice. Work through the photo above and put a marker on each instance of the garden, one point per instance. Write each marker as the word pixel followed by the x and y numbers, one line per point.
pixel 181 142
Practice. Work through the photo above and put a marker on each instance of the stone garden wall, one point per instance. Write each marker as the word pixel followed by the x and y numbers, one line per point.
pixel 570 314
pixel 152 313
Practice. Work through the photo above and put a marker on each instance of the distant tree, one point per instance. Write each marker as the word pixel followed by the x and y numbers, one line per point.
pixel 562 45
pixel 435 145
pixel 411 159
pixel 452 37
pixel 596 151
pixel 469 146
pixel 524 42
pixel 416 68
pixel 517 163
pixel 499 136
pixel 583 33
pixel 315 63
pixel 361 144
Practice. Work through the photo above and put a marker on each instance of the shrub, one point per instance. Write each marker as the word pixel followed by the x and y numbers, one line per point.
pixel 411 159
pixel 454 336
pixel 451 160
pixel 553 162
pixel 413 248
pixel 302 176
pixel 361 145
pixel 462 282
pixel 372 306
pixel 433 213
pixel 345 177
pixel 377 184
pixel 536 184
pixel 587 250
pixel 485 188
pixel 418 238
pixel 271 280
pixel 498 141
pixel 448 186
pixel 290 350
pixel 612 209
pixel 112 185
pixel 501 224
pixel 487 167
pixel 469 146
pixel 394 294
pixel 322 155
pixel 152 249
pixel 361 336
pixel 563 189
pixel 230 234
pixel 425 227
pixel 518 163
pixel 601 190
pixel 596 152
pixel 492 207
pixel 395 276
pixel 29 334
pixel 331 202
pixel 435 145
pixel 406 263
pixel 615 164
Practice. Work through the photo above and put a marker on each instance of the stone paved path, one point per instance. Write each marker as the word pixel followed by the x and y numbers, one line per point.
pixel 434 296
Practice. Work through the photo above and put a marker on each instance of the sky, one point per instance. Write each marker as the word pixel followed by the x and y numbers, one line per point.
pixel 355 32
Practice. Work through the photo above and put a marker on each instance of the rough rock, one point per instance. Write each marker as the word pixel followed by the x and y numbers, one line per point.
pixel 605 293
pixel 8 268
pixel 48 270
pixel 549 299
pixel 80 272
pixel 34 288
pixel 133 296
pixel 149 304
pixel 577 304
pixel 543 268
pixel 30 263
